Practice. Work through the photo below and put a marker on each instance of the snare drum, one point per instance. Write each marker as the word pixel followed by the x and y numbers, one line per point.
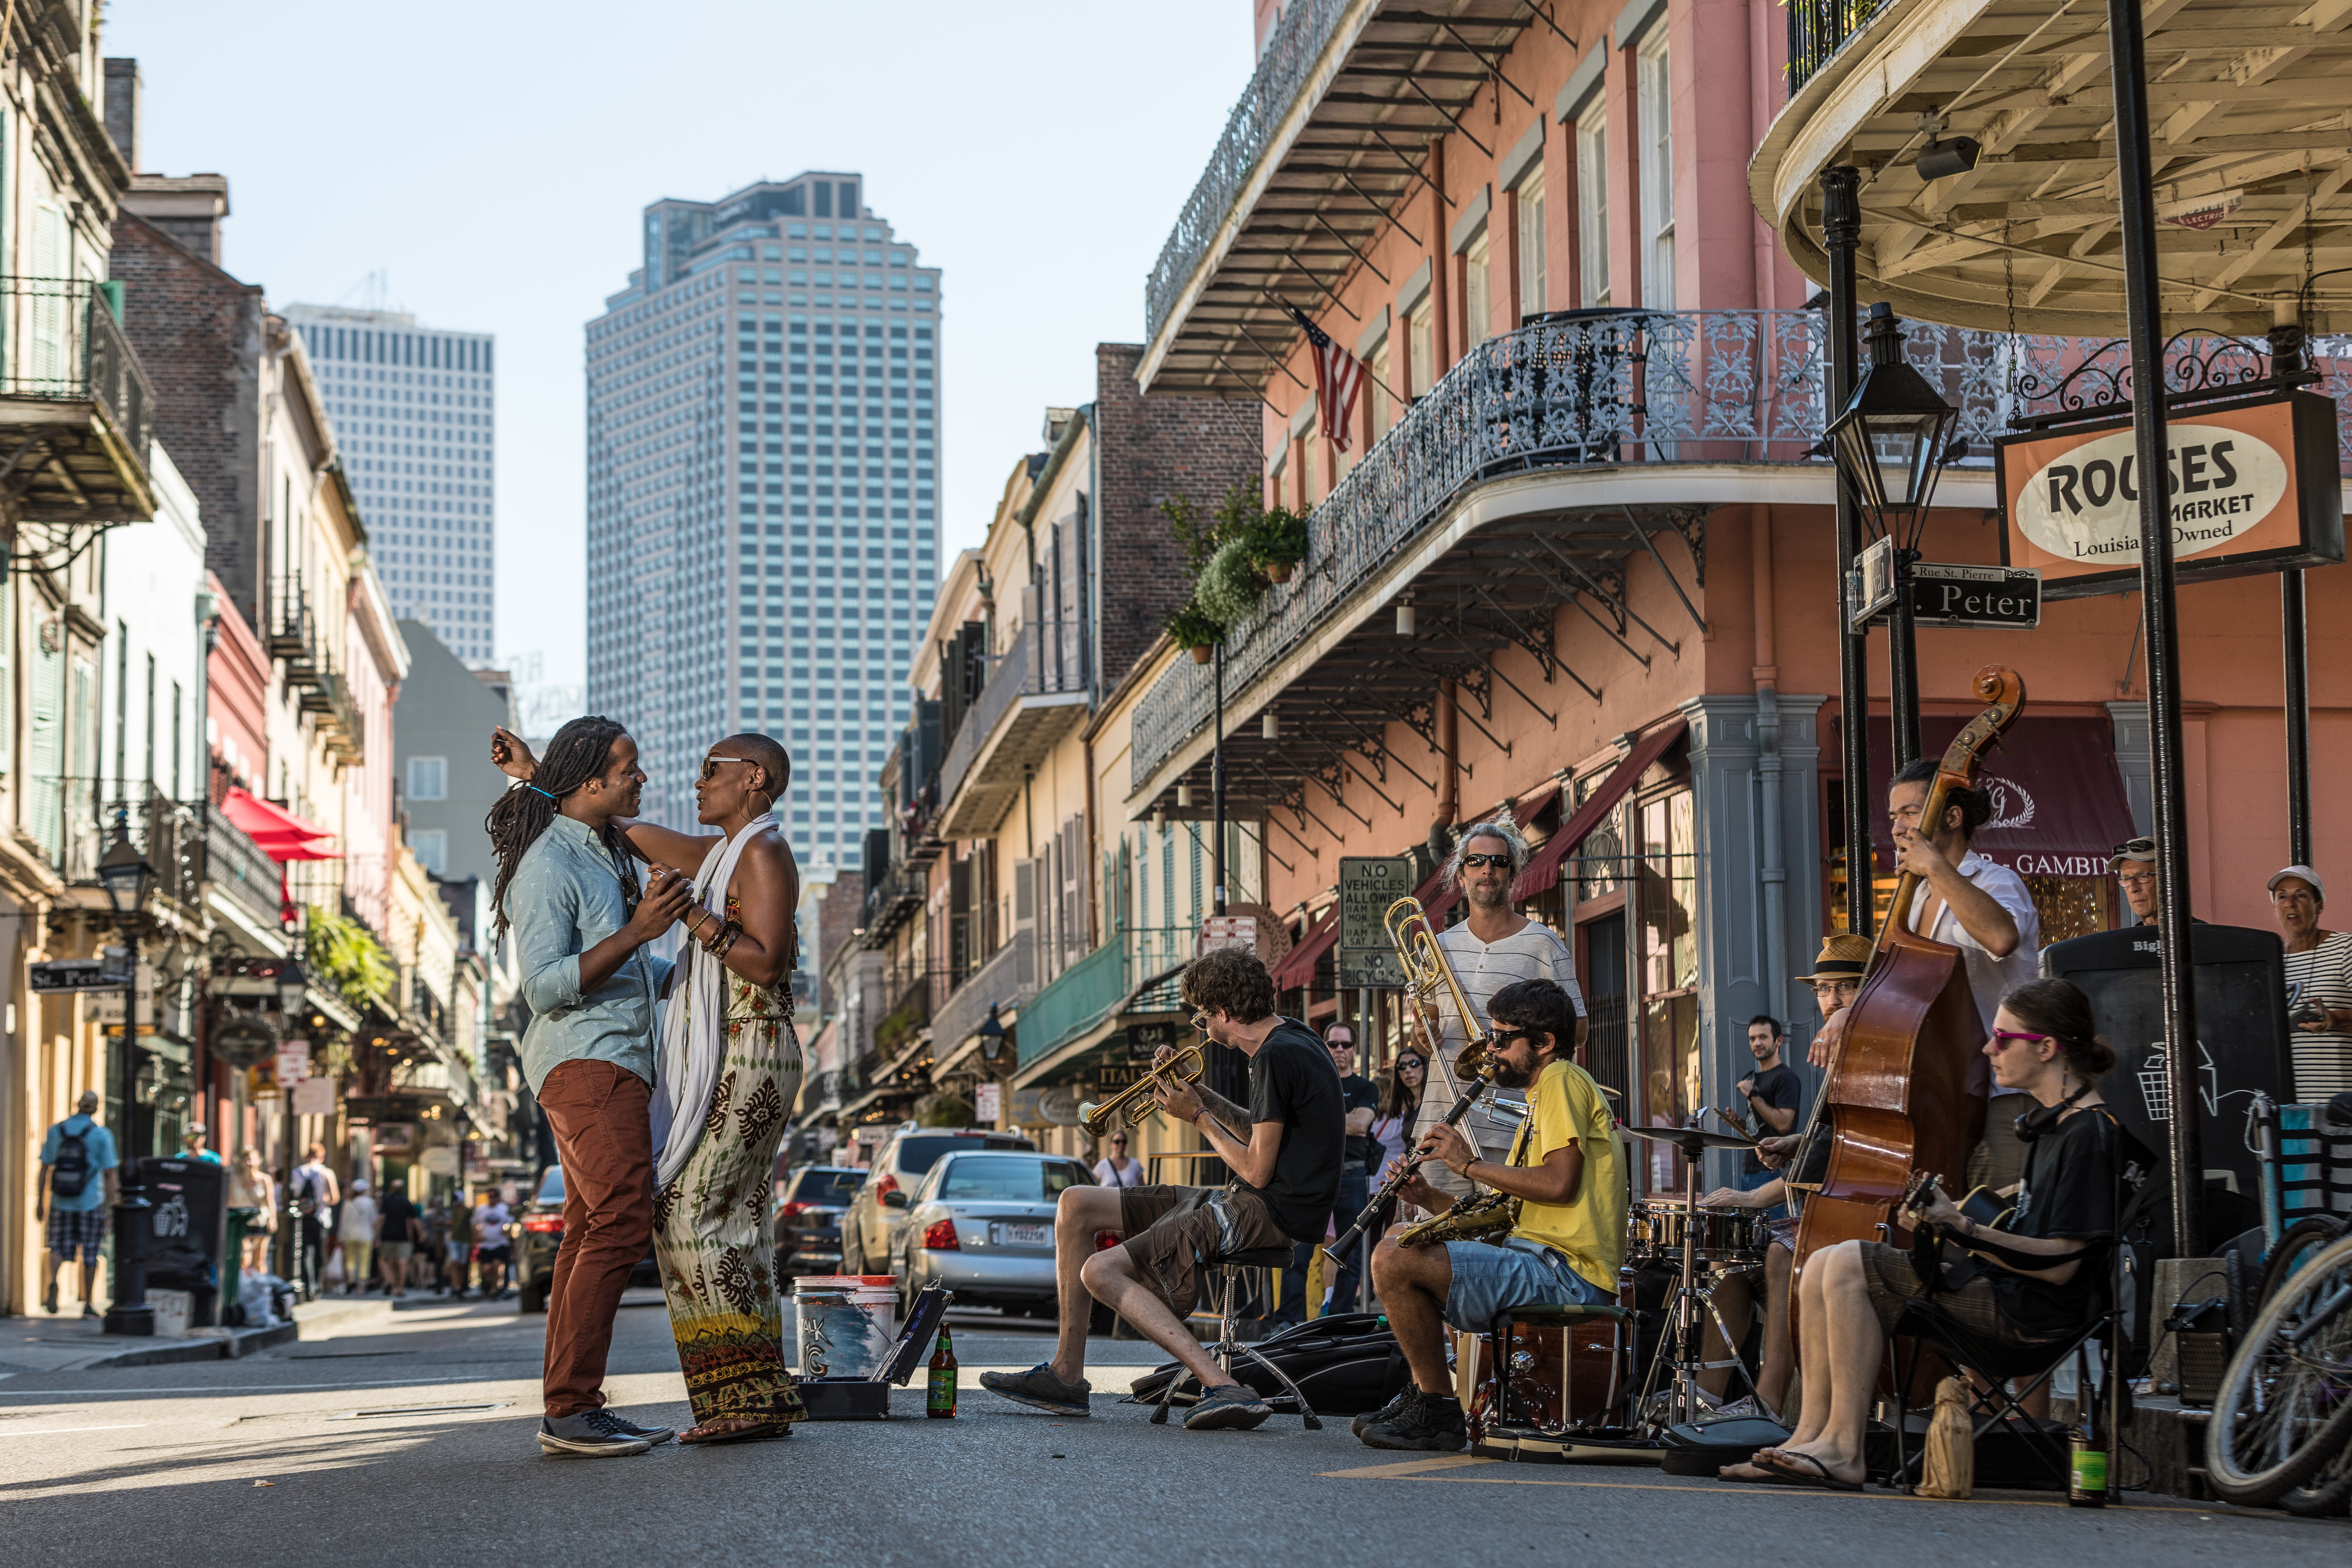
pixel 1654 1233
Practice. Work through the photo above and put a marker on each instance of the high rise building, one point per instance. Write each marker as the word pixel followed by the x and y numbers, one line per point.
pixel 414 411
pixel 763 430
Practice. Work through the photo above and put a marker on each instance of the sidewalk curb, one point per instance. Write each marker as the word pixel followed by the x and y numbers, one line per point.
pixel 229 1347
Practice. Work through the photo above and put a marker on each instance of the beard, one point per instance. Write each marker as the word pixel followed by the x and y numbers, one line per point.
pixel 1510 1076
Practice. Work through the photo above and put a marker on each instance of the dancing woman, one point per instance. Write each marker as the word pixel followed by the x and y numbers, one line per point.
pixel 728 1072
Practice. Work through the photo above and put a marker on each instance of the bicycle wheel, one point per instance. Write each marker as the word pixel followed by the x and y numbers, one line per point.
pixel 2297 1244
pixel 2285 1402
pixel 2326 1491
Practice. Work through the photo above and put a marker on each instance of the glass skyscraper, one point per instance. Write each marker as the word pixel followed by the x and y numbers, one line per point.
pixel 414 414
pixel 763 430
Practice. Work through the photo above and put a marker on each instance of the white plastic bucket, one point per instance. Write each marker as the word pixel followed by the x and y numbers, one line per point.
pixel 848 1324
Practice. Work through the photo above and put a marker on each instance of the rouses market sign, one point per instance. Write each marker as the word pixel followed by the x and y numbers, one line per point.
pixel 2253 485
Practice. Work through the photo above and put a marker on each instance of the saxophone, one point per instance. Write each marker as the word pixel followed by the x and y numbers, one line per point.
pixel 1484 1216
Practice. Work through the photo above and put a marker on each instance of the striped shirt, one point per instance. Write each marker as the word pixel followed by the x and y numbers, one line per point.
pixel 1533 951
pixel 2323 1057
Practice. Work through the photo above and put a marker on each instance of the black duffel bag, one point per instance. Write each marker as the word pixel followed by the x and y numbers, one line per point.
pixel 1345 1364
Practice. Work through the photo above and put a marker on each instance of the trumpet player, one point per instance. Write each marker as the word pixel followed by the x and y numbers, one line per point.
pixel 1284 1149
pixel 1564 1247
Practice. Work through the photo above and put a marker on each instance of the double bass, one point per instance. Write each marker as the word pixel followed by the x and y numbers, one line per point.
pixel 1905 1085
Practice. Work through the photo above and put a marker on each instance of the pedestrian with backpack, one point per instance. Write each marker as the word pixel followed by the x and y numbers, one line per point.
pixel 77 1193
pixel 314 1195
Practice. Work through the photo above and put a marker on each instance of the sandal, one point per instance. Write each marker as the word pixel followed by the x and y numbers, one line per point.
pixel 1780 1475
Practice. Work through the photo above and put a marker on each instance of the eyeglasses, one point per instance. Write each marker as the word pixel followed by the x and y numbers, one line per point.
pixel 711 766
pixel 2004 1038
pixel 2136 879
pixel 1200 1019
pixel 1833 987
pixel 1472 862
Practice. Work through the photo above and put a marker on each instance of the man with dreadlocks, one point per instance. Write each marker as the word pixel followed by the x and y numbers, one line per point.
pixel 728 1071
pixel 569 892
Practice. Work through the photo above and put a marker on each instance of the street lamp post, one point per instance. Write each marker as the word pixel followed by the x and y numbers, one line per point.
pixel 129 881
pixel 1896 419
pixel 1217 789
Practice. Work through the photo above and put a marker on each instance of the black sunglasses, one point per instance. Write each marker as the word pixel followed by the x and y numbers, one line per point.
pixel 1472 862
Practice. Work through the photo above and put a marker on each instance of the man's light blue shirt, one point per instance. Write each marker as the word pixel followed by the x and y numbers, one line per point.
pixel 564 900
pixel 98 1145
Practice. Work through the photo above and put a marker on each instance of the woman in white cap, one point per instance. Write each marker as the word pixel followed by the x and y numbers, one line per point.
pixel 2319 978
pixel 356 1231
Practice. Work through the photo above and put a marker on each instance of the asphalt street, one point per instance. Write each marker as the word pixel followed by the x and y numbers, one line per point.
pixel 406 1439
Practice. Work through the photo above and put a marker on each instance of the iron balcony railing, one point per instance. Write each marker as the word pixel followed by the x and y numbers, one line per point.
pixel 1045 657
pixel 1635 387
pixel 1084 994
pixel 1819 29
pixel 193 848
pixel 63 344
pixel 897 893
pixel 1008 980
pixel 1284 67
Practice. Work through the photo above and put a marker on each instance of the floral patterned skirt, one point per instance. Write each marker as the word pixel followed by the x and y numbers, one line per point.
pixel 712 1234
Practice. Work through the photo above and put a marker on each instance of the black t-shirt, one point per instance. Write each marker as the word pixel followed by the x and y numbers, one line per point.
pixel 2068 1190
pixel 1779 1086
pixel 1357 1093
pixel 1292 1080
pixel 398 1222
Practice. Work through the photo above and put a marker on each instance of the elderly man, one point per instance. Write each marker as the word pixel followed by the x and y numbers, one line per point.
pixel 2319 974
pixel 1495 947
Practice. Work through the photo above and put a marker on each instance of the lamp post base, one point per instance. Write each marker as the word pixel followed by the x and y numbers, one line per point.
pixel 139 1319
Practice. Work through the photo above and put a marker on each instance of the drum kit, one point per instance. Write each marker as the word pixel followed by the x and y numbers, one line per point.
pixel 1576 1391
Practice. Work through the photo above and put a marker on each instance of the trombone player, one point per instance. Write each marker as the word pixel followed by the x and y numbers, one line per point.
pixel 1566 1240
pixel 1284 1150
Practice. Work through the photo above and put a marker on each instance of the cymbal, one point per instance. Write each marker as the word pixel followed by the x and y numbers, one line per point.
pixel 1690 1140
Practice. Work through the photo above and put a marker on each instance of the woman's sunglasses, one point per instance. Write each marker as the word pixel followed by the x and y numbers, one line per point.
pixel 2005 1039
pixel 711 766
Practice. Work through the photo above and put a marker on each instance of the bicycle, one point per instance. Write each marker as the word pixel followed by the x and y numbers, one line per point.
pixel 2283 1419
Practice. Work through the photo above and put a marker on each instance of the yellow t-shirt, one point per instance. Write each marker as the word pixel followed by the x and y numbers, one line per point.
pixel 1566 1107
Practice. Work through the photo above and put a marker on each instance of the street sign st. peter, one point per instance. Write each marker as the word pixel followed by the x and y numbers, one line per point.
pixel 1984 597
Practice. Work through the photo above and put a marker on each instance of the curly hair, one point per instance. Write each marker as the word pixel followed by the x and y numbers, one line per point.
pixel 1538 1006
pixel 1229 980
pixel 1976 806
pixel 1499 827
pixel 2059 1009
pixel 580 752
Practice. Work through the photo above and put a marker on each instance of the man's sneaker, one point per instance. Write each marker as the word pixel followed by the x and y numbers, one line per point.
pixel 1388 1412
pixel 1424 1423
pixel 52 1298
pixel 656 1436
pixel 1040 1389
pixel 1232 1408
pixel 592 1433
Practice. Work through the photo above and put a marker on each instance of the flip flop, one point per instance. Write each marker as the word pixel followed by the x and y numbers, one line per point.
pixel 1782 1476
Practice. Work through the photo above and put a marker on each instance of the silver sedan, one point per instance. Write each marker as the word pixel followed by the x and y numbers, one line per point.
pixel 981 1223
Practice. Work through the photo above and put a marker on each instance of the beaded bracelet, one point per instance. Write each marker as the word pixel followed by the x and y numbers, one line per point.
pixel 720 945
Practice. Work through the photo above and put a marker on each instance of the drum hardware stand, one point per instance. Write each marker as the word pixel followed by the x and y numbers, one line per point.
pixel 1685 1336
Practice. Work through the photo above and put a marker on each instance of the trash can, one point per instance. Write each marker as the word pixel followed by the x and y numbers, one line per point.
pixel 189 1231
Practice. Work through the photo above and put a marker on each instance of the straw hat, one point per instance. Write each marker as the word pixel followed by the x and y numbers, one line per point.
pixel 1842 957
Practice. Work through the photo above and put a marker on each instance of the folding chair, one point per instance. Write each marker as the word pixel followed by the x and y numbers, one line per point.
pixel 1995 1364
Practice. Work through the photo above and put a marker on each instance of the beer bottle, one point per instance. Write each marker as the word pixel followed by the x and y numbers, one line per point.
pixel 940 1397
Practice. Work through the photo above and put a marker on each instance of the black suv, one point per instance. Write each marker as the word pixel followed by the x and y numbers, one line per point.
pixel 809 1207
pixel 542 1232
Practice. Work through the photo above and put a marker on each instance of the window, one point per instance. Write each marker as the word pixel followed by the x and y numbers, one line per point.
pixel 1421 347
pixel 1592 208
pixel 1382 414
pixel 1532 299
pixel 1477 295
pixel 1658 150
pixel 1668 915
pixel 431 848
pixel 428 779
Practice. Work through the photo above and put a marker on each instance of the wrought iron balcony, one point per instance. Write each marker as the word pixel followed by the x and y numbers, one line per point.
pixel 76 410
pixel 1819 29
pixel 1036 694
pixel 197 852
pixel 893 899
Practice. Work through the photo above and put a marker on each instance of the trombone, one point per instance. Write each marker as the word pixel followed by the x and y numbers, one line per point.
pixel 1132 1106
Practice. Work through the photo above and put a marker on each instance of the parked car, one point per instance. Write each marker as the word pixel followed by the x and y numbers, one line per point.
pixel 809 1207
pixel 876 1213
pixel 543 1233
pixel 981 1223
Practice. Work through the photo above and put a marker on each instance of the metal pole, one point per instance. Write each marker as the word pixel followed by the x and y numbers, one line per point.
pixel 2298 719
pixel 1841 233
pixel 1217 785
pixel 1903 665
pixel 2127 64
pixel 129 1314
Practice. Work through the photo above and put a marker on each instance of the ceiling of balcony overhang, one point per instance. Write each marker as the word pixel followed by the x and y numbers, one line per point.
pixel 1502 587
pixel 2250 141
pixel 1342 155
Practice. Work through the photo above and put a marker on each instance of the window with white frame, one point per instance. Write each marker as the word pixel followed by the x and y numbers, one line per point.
pixel 1377 372
pixel 1477 294
pixel 1420 345
pixel 431 848
pixel 1658 150
pixel 428 778
pixel 1592 207
pixel 1532 299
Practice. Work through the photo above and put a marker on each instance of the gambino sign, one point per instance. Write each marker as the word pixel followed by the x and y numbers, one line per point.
pixel 2253 487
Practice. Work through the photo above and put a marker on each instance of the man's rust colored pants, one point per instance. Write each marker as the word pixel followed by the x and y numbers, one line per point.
pixel 604 1140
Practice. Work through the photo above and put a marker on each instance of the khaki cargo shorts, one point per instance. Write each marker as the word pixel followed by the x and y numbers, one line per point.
pixel 1173 1232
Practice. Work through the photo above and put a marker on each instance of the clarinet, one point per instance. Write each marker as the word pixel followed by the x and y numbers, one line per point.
pixel 1339 1247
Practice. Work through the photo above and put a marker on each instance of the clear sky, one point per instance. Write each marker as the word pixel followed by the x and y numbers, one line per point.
pixel 492 160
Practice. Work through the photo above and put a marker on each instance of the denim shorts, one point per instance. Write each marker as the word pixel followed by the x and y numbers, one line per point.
pixel 1488 1278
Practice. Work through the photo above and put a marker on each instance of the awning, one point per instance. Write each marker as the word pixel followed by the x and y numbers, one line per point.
pixel 1298 967
pixel 1543 872
pixel 2058 802
pixel 279 833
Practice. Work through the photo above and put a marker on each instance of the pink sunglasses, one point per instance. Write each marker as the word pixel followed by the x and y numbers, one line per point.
pixel 2004 1036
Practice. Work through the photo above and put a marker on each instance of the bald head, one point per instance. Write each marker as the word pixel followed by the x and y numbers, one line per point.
pixel 770 757
pixel 88 1104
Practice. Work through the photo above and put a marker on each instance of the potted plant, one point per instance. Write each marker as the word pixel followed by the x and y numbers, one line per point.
pixel 1277 543
pixel 1188 626
pixel 1229 585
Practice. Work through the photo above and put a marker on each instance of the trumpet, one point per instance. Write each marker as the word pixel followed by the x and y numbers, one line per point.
pixel 1132 1106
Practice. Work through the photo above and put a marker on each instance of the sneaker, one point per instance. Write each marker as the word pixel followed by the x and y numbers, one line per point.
pixel 52 1298
pixel 90 1312
pixel 1231 1409
pixel 656 1436
pixel 1388 1412
pixel 1039 1389
pixel 1424 1424
pixel 592 1433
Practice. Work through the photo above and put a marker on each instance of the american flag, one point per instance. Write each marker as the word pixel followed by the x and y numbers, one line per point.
pixel 1338 377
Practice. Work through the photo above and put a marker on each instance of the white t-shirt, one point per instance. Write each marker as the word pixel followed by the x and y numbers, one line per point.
pixel 1990 978
pixel 2323 1057
pixel 359 1216
pixel 1533 951
pixel 1110 1176
pixel 490 1225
